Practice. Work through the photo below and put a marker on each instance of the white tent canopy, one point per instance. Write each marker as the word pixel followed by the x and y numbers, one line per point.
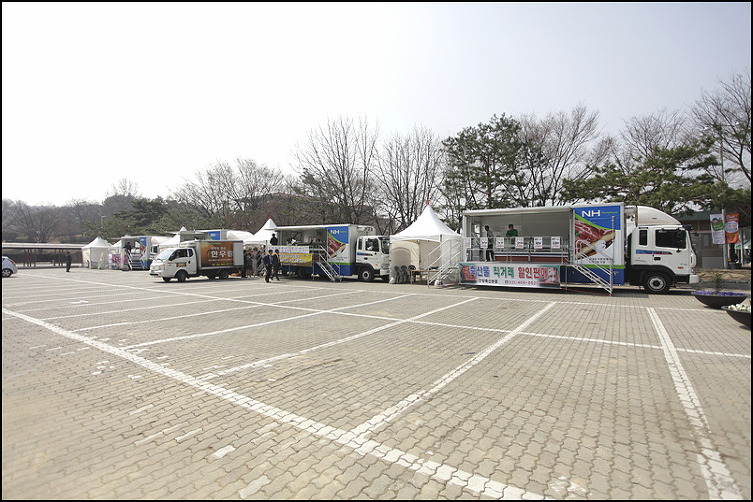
pixel 96 254
pixel 239 235
pixel 426 244
pixel 263 235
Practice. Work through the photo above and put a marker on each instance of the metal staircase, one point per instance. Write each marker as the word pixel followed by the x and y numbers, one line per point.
pixel 444 271
pixel 319 257
pixel 136 263
pixel 588 272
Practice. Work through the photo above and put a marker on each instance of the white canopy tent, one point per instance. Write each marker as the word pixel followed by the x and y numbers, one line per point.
pixel 96 254
pixel 239 235
pixel 263 235
pixel 426 244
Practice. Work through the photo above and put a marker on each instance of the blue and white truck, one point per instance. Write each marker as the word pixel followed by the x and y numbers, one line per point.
pixel 334 251
pixel 549 247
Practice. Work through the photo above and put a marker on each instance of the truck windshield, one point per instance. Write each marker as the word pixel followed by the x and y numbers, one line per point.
pixel 165 254
pixel 385 244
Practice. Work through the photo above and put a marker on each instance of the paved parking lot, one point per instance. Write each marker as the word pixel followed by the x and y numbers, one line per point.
pixel 117 385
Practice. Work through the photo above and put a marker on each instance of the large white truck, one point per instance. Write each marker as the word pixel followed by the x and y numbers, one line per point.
pixel 334 251
pixel 549 247
pixel 198 258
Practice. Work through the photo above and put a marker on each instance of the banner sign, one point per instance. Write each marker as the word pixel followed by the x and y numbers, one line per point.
pixel 296 258
pixel 337 240
pixel 598 233
pixel 216 254
pixel 513 275
pixel 731 226
pixel 717 229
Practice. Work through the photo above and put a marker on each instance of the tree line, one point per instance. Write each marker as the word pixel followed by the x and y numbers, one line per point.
pixel 346 171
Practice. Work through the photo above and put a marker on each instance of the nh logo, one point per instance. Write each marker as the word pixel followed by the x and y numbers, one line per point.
pixel 593 212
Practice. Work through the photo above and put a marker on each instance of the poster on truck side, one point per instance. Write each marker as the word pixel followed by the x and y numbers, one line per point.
pixel 216 254
pixel 598 234
pixel 528 275
pixel 337 243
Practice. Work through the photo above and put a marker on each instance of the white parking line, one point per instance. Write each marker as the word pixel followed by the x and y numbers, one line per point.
pixel 719 480
pixel 388 415
pixel 480 484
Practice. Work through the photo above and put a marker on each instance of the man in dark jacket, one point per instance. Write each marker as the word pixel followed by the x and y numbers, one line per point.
pixel 268 263
pixel 276 265
pixel 68 261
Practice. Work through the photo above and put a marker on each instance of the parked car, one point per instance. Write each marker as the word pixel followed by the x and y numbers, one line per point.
pixel 9 268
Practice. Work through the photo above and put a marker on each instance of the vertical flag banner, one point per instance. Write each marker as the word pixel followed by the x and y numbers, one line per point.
pixel 717 229
pixel 731 225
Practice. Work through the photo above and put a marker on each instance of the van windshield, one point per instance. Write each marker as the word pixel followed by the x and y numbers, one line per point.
pixel 165 254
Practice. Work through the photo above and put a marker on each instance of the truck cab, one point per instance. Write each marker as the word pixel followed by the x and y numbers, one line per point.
pixel 659 257
pixel 373 257
pixel 177 262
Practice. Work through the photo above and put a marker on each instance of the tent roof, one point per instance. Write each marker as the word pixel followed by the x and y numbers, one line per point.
pixel 99 242
pixel 239 235
pixel 427 227
pixel 263 235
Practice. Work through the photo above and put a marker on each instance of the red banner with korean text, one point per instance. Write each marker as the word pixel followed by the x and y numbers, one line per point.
pixel 731 226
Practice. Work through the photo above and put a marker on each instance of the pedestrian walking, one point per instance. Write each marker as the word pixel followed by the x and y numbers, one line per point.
pixel 68 261
pixel 268 263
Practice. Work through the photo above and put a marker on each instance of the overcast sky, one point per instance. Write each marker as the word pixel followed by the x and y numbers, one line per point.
pixel 96 92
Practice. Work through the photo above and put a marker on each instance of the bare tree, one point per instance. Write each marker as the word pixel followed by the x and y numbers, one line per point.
pixel 209 192
pixel 557 148
pixel 726 114
pixel 336 168
pixel 223 189
pixel 38 224
pixel 124 187
pixel 410 171
pixel 254 184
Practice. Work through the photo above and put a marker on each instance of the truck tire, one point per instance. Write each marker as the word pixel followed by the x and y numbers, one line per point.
pixel 656 282
pixel 166 279
pixel 224 274
pixel 302 273
pixel 366 274
pixel 212 275
pixel 182 275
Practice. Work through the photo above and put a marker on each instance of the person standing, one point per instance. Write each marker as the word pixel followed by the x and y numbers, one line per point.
pixel 68 261
pixel 268 263
pixel 489 243
pixel 276 265
pixel 273 240
pixel 246 262
pixel 511 231
pixel 258 262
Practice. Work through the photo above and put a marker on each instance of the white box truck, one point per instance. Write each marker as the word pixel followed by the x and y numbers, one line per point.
pixel 605 244
pixel 198 257
pixel 334 251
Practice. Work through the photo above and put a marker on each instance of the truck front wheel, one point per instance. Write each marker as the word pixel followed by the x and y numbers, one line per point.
pixel 181 276
pixel 656 282
pixel 166 279
pixel 366 274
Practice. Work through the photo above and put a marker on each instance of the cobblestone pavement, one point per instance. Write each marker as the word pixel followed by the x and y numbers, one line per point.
pixel 120 386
